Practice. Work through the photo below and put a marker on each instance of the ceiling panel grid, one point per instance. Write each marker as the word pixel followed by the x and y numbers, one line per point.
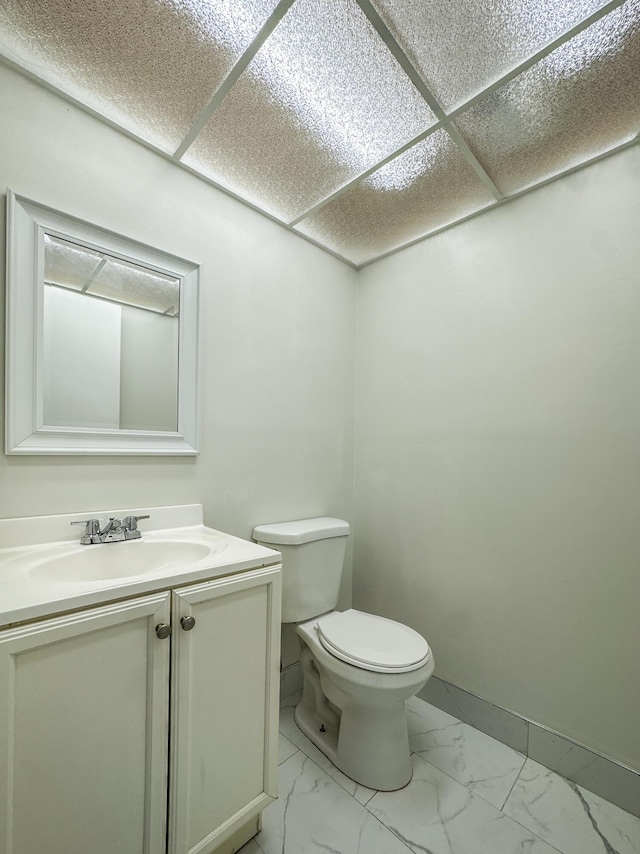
pixel 322 101
pixel 364 125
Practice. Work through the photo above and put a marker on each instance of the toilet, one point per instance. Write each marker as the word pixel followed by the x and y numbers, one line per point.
pixel 358 669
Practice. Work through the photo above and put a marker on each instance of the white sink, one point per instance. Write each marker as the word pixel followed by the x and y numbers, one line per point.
pixel 45 570
pixel 120 560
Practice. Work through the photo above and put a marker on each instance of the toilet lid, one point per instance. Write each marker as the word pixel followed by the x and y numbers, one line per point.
pixel 372 643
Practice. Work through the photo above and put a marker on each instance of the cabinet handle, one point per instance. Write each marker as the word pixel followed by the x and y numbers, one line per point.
pixel 188 623
pixel 163 630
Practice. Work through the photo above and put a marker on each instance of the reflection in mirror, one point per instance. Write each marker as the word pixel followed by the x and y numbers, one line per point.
pixel 102 340
pixel 110 341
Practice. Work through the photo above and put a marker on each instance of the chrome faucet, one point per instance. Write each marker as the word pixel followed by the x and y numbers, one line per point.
pixel 114 530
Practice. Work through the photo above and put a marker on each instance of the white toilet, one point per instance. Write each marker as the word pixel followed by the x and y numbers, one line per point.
pixel 358 669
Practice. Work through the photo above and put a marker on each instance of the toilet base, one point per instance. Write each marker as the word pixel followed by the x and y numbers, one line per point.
pixel 324 737
pixel 356 747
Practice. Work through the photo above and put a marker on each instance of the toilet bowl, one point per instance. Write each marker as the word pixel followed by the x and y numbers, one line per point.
pixel 354 710
pixel 358 669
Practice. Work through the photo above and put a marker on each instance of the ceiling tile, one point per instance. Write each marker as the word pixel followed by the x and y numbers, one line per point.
pixel 76 267
pixel 427 187
pixel 150 67
pixel 461 48
pixel 68 264
pixel 131 284
pixel 322 101
pixel 579 101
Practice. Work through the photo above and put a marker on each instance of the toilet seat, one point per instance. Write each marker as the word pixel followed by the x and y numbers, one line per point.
pixel 371 642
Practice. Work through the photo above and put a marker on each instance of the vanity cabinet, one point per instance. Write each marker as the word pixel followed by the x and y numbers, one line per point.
pixel 116 736
pixel 224 711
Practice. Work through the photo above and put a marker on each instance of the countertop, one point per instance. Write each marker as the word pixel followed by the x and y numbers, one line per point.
pixel 32 549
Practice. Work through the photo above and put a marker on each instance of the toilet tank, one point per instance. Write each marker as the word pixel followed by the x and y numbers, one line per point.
pixel 312 560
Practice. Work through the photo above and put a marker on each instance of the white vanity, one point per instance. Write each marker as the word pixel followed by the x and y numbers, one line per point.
pixel 138 687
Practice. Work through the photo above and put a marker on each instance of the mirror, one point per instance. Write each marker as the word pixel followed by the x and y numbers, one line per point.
pixel 102 336
pixel 113 319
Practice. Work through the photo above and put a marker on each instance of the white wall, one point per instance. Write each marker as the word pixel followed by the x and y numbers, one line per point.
pixel 278 320
pixel 148 370
pixel 498 452
pixel 80 361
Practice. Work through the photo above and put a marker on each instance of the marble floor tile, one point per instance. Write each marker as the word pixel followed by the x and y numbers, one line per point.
pixel 572 819
pixel 285 749
pixel 314 815
pixel 438 815
pixel 289 729
pixel 606 778
pixel 454 804
pixel 250 848
pixel 485 766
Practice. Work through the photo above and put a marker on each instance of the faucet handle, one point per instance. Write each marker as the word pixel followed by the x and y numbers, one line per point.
pixel 91 531
pixel 92 525
pixel 131 522
pixel 130 525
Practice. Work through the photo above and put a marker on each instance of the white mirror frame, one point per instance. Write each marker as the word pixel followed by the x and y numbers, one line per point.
pixel 27 222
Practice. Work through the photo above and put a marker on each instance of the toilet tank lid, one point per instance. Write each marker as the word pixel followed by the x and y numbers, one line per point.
pixel 301 531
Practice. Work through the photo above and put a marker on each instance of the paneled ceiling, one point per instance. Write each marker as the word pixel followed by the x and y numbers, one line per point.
pixel 364 125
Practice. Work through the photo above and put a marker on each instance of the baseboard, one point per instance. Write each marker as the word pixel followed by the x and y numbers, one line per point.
pixel 606 777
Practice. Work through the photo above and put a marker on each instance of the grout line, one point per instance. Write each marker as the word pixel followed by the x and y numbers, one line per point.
pixel 284 762
pixel 368 801
pixel 537 836
pixel 468 787
pixel 524 759
pixel 390 829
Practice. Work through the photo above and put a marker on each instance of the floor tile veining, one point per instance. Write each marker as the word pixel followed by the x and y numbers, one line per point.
pixel 485 766
pixel 470 794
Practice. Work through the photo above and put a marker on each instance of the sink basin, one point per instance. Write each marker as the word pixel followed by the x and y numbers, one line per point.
pixel 120 560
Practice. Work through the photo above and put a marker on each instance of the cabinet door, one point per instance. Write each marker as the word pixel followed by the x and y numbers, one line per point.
pixel 224 707
pixel 83 731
